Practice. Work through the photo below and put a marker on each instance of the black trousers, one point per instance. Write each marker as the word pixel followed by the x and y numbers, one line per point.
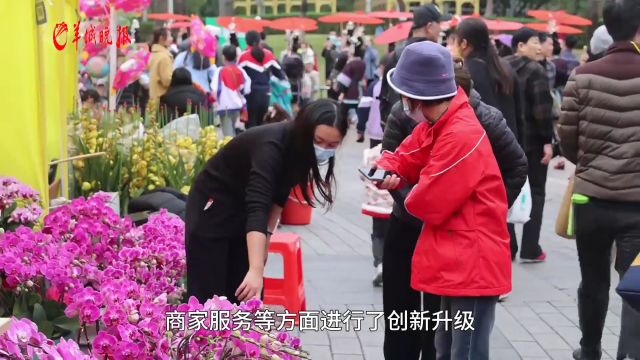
pixel 599 224
pixel 531 230
pixel 257 106
pixel 398 295
pixel 216 245
pixel 363 117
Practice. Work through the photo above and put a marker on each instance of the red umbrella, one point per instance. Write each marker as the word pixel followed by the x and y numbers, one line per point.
pixel 242 24
pixel 397 32
pixel 343 17
pixel 294 23
pixel 502 25
pixel 168 16
pixel 575 20
pixel 365 19
pixel 493 25
pixel 560 16
pixel 392 14
pixel 180 25
pixel 561 29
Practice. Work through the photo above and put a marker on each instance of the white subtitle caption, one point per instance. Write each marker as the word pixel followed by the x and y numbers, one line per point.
pixel 332 320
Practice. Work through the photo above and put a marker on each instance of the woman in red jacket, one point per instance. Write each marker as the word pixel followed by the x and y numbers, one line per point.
pixel 463 252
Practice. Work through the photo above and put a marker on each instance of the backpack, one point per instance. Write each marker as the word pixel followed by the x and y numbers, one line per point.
pixel 293 67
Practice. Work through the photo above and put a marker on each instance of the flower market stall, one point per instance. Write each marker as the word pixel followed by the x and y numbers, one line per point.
pixel 140 154
pixel 80 280
pixel 84 283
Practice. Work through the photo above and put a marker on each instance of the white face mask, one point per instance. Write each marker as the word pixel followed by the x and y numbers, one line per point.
pixel 416 114
pixel 323 155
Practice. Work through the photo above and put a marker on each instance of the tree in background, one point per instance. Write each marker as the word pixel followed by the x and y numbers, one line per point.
pixel 488 10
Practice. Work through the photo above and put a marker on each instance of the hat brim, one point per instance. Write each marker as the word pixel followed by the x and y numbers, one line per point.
pixel 445 17
pixel 400 91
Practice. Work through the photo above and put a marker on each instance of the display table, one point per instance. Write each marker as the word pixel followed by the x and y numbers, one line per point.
pixel 4 324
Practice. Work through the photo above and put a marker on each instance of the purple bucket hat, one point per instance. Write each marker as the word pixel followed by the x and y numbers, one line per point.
pixel 424 72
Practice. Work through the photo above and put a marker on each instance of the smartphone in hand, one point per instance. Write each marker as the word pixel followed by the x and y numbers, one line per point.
pixel 373 174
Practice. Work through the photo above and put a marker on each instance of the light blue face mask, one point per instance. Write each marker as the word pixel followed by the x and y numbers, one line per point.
pixel 323 155
pixel 417 115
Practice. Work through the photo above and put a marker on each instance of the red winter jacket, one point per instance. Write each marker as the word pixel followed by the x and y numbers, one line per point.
pixel 463 249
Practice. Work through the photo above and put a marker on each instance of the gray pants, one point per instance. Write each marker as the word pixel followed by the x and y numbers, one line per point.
pixel 458 344
pixel 380 227
pixel 228 120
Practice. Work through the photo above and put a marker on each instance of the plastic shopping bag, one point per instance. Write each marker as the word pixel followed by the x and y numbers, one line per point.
pixel 520 211
pixel 188 125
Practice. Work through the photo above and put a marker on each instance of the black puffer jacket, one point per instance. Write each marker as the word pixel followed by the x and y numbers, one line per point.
pixel 509 155
pixel 175 100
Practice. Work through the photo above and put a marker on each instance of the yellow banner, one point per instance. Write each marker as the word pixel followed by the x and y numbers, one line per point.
pixel 22 129
pixel 38 86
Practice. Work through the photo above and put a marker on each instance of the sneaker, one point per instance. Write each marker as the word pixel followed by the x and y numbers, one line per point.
pixel 377 279
pixel 503 297
pixel 539 259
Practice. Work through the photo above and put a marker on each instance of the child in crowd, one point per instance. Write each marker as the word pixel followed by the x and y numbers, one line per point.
pixel 229 86
pixel 310 81
pixel 92 102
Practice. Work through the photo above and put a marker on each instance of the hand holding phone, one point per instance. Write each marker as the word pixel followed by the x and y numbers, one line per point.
pixel 373 174
pixel 383 179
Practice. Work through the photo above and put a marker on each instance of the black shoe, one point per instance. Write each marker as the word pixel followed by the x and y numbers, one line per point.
pixel 360 138
pixel 580 354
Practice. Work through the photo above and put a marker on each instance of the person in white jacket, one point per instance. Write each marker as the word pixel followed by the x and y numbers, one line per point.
pixel 229 86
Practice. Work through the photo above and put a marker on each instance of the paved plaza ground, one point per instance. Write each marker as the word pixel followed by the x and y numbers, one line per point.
pixel 538 321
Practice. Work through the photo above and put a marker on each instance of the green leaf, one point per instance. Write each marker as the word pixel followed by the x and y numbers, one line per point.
pixel 53 309
pixel 66 323
pixel 34 298
pixel 70 335
pixel 39 315
pixel 45 327
pixel 20 308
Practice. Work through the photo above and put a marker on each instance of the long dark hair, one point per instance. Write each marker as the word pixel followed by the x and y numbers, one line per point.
pixel 253 39
pixel 306 173
pixel 199 61
pixel 476 33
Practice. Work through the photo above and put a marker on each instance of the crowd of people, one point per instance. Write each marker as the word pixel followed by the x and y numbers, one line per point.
pixel 459 126
pixel 443 249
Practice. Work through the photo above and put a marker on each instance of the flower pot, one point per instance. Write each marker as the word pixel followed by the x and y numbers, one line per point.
pixel 296 211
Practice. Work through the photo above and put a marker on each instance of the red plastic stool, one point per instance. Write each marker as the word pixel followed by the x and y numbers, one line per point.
pixel 296 211
pixel 289 291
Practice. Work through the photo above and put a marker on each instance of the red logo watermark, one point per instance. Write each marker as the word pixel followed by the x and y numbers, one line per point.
pixel 91 35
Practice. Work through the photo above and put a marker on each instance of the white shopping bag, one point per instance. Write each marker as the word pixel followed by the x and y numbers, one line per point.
pixel 188 125
pixel 520 211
